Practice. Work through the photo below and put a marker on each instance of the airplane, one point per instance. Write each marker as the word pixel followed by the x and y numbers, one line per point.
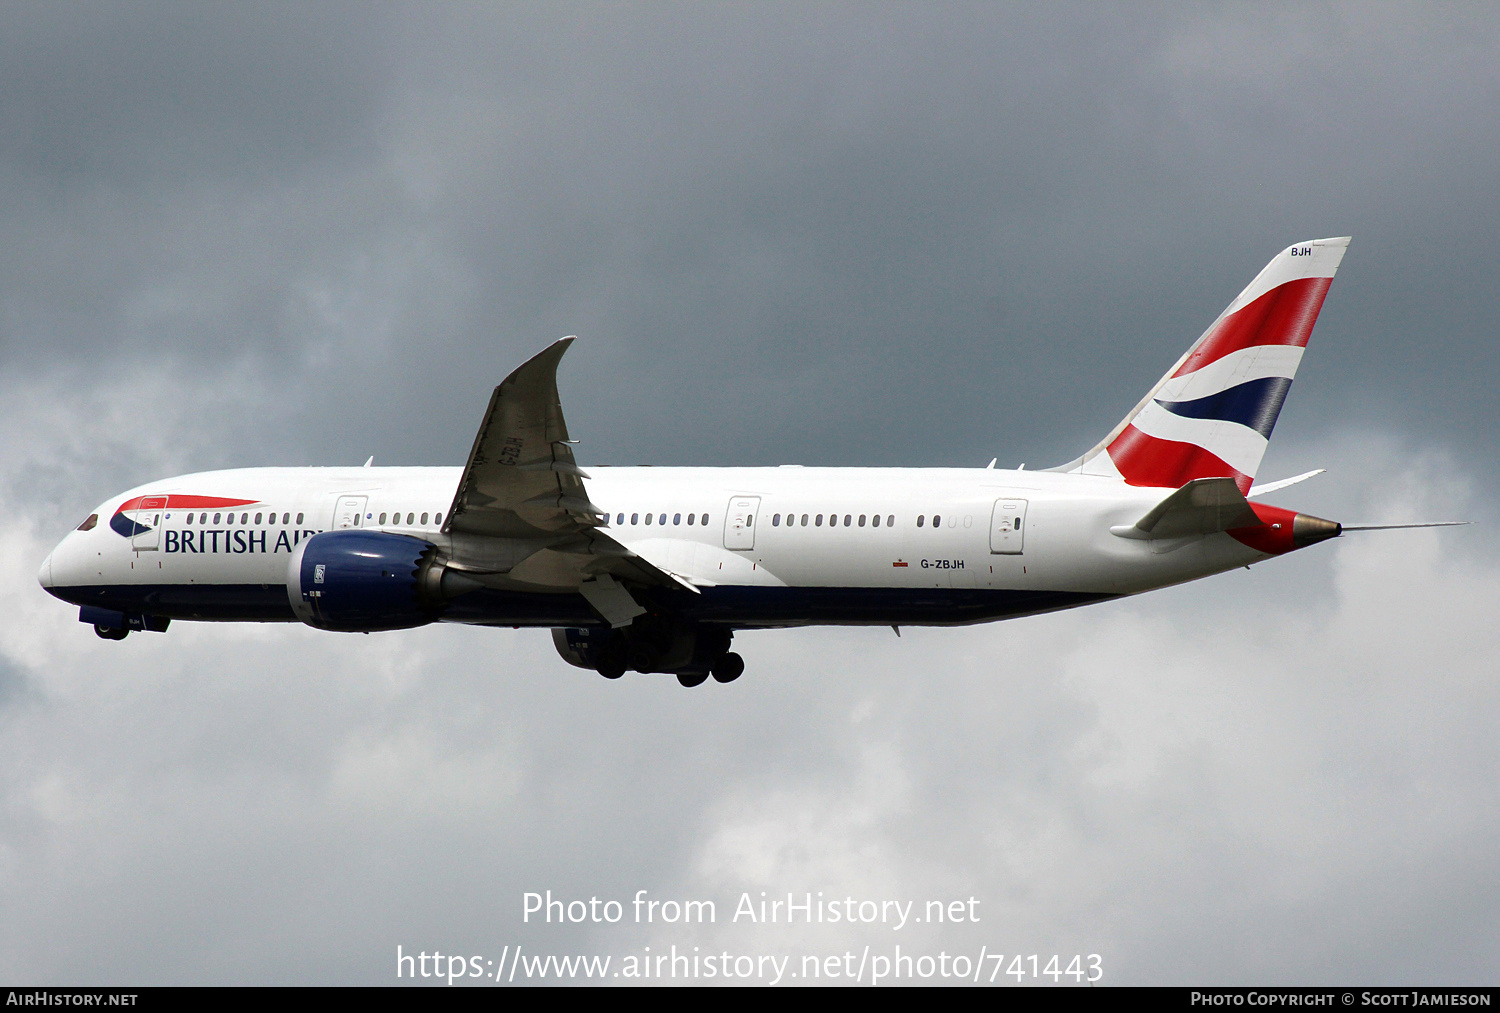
pixel 655 569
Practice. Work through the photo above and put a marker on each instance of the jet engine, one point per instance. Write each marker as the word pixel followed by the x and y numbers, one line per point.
pixel 363 581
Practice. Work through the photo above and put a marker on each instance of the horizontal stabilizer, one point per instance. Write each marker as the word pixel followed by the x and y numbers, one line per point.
pixel 1270 487
pixel 1201 507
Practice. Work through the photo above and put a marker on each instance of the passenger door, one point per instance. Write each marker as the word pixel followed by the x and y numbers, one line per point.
pixel 1008 527
pixel 148 518
pixel 739 522
pixel 350 512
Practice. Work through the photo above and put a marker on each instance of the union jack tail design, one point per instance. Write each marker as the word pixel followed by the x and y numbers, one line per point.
pixel 1211 416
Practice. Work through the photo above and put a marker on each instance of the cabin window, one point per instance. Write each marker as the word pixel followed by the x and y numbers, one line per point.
pixel 662 519
pixel 936 520
pixel 775 520
pixel 620 519
pixel 437 518
pixel 286 518
pixel 189 520
pixel 411 518
pixel 704 520
pixel 424 516
pixel 89 522
pixel 804 520
pixel 677 518
pixel 635 518
pixel 228 519
pixel 382 519
pixel 650 518
pixel 861 520
pixel 848 521
pixel 299 518
pixel 921 519
pixel 691 519
pixel 818 521
pixel 257 518
pixel 875 521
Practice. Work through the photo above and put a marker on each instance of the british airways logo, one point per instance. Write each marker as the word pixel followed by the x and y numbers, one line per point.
pixel 218 528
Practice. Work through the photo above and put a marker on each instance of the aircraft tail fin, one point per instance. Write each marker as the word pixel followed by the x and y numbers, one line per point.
pixel 1211 415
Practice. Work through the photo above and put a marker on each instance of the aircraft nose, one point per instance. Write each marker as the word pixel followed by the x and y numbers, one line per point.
pixel 44 575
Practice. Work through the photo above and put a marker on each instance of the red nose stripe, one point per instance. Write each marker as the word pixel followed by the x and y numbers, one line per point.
pixel 188 502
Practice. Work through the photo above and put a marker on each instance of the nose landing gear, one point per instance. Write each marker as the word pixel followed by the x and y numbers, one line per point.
pixel 109 633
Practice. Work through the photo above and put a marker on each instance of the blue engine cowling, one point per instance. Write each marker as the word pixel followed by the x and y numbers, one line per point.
pixel 362 581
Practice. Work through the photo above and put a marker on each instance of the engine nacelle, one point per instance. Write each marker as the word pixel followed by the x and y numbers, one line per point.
pixel 362 581
pixel 580 646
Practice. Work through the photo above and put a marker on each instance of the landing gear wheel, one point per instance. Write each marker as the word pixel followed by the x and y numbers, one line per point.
pixel 611 669
pixel 729 667
pixel 691 679
pixel 109 633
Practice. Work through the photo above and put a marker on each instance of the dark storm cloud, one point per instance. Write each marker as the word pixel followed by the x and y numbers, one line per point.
pixel 835 236
pixel 134 97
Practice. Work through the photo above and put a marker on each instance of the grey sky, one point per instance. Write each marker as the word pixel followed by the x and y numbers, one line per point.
pixel 823 234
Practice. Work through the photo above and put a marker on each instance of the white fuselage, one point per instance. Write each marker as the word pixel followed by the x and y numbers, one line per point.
pixel 776 531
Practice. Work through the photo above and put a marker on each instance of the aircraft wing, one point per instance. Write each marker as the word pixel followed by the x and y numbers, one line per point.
pixel 522 513
pixel 521 480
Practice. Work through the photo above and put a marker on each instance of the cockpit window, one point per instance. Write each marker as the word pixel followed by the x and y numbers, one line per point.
pixel 88 525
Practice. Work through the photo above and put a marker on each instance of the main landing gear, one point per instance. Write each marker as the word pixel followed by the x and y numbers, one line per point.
pixel 726 668
pixel 691 651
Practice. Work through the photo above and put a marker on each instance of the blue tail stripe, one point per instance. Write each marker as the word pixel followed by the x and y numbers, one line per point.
pixel 1254 403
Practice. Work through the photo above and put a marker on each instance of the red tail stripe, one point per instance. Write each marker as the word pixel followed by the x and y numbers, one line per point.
pixel 1147 460
pixel 1283 316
